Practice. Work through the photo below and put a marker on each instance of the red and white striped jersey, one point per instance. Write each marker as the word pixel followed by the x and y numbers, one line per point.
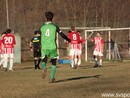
pixel 73 46
pixel 8 41
pixel 99 42
pixel 75 39
pixel 8 50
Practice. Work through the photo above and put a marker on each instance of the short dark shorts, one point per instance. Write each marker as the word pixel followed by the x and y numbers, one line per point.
pixel 37 53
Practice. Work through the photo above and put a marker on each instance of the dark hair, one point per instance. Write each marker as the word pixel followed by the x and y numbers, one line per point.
pixel 8 31
pixel 78 31
pixel 49 15
pixel 3 33
pixel 73 28
pixel 36 32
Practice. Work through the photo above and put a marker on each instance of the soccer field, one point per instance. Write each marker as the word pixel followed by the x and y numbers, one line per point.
pixel 109 81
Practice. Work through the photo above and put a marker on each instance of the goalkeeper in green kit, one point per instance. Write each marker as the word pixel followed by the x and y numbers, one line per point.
pixel 48 44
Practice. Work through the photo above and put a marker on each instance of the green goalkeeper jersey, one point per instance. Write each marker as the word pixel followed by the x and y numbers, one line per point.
pixel 48 35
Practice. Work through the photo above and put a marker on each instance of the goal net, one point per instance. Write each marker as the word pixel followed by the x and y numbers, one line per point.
pixel 117 42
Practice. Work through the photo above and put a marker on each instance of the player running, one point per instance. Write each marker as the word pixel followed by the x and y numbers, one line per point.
pixel 98 49
pixel 35 46
pixel 9 41
pixel 75 39
pixel 48 44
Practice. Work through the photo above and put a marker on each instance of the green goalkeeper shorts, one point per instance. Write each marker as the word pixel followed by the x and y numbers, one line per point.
pixel 52 53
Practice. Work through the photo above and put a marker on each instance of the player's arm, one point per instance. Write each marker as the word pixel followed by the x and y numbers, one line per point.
pixel 30 45
pixel 78 38
pixel 2 47
pixel 14 39
pixel 63 35
pixel 82 40
pixel 102 46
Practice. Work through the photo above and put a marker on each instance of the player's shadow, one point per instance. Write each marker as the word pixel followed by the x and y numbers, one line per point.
pixel 78 78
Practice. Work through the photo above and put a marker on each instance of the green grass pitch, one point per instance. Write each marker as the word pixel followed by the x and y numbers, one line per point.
pixel 83 82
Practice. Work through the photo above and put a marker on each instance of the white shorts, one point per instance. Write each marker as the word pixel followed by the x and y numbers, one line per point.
pixel 73 52
pixel 2 55
pixel 79 52
pixel 6 56
pixel 97 53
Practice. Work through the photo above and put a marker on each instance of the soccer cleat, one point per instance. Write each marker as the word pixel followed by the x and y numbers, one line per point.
pixel 10 69
pixel 96 65
pixel 75 67
pixel 44 73
pixel 38 67
pixel 72 64
pixel 5 69
pixel 79 62
pixel 52 80
pixel 100 65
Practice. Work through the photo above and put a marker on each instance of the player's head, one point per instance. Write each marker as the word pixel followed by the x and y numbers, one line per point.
pixel 49 15
pixel 36 32
pixel 8 31
pixel 98 34
pixel 73 28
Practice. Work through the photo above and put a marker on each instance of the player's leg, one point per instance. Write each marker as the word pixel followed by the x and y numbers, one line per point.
pixel 53 70
pixel 79 57
pixel 75 60
pixel 35 58
pixel 44 61
pixel 72 57
pixel 39 59
pixel 11 61
pixel 53 54
pixel 95 60
pixel 35 62
pixel 100 59
pixel 2 60
pixel 75 56
pixel 95 53
pixel 5 62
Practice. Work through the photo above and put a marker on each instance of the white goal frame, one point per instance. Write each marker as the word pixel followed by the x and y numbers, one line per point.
pixel 109 38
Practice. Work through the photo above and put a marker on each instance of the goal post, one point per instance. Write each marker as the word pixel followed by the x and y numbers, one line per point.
pixel 109 36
